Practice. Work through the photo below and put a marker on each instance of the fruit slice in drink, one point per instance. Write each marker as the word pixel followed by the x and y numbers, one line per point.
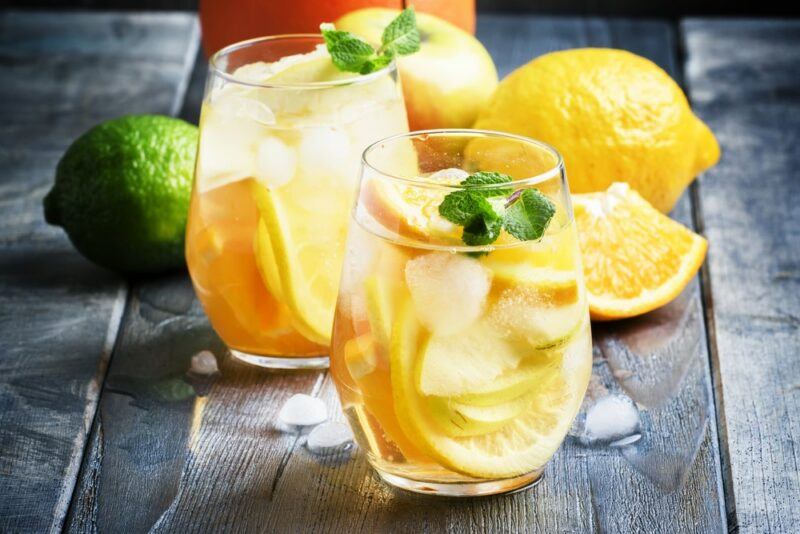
pixel 297 254
pixel 542 306
pixel 522 444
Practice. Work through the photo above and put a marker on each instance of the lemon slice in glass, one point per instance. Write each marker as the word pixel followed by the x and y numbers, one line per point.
pixel 523 444
pixel 299 256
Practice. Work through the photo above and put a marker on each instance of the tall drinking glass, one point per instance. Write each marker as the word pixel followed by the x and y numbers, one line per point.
pixel 281 134
pixel 460 368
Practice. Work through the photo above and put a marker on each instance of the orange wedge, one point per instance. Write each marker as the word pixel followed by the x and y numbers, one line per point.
pixel 635 258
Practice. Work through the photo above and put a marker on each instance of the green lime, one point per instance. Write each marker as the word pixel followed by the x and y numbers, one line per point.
pixel 122 192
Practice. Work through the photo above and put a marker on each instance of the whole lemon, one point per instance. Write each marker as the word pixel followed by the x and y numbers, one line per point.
pixel 613 115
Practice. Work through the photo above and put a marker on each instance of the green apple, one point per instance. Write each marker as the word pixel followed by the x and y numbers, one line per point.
pixel 447 82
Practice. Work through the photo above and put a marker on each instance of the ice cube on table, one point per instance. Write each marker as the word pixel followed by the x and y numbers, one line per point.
pixel 301 412
pixel 448 290
pixel 330 438
pixel 204 363
pixel 276 162
pixel 612 420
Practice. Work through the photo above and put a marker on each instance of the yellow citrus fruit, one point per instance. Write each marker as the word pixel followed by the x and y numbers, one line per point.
pixel 497 439
pixel 635 258
pixel 296 253
pixel 613 115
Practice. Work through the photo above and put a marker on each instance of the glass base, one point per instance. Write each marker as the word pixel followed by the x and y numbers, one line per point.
pixel 463 489
pixel 282 362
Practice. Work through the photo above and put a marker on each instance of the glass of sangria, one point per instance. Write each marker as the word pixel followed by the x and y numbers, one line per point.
pixel 461 348
pixel 281 135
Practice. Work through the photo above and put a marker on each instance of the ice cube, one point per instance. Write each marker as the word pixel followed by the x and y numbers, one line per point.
pixel 257 72
pixel 448 290
pixel 450 176
pixel 325 154
pixel 302 412
pixel 611 420
pixel 276 162
pixel 245 105
pixel 360 254
pixel 330 438
pixel 204 364
pixel 227 147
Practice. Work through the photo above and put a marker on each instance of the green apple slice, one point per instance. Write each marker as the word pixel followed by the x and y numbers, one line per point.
pixel 463 363
pixel 459 419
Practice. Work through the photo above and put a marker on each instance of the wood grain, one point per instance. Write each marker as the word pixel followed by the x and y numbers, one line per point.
pixel 744 83
pixel 210 459
pixel 59 315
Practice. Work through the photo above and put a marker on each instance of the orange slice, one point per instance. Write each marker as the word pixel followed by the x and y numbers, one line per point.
pixel 409 211
pixel 635 258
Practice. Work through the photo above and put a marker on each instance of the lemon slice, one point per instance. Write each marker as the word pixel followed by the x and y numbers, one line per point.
pixel 523 444
pixel 637 259
pixel 318 69
pixel 380 297
pixel 553 287
pixel 265 261
pixel 407 211
pixel 294 251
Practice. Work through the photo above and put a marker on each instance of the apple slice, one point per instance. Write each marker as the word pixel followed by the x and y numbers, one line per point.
pixel 505 388
pixel 552 287
pixel 464 363
pixel 459 419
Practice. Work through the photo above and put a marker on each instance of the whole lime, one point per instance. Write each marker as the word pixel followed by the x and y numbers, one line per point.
pixel 122 192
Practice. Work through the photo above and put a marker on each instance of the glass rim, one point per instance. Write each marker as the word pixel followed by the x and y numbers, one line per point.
pixel 556 170
pixel 350 80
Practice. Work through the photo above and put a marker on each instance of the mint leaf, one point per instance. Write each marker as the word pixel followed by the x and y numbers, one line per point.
pixel 375 63
pixel 482 232
pixel 348 52
pixel 483 213
pixel 482 219
pixel 401 36
pixel 528 215
pixel 464 207
pixel 489 178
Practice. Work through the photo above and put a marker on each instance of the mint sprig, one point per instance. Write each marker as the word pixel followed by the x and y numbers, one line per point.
pixel 350 53
pixel 484 212
pixel 527 217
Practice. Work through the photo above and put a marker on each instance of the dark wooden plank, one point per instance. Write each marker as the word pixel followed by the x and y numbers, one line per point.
pixel 220 464
pixel 744 83
pixel 59 316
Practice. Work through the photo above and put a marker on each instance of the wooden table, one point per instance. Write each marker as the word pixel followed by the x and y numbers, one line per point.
pixel 101 430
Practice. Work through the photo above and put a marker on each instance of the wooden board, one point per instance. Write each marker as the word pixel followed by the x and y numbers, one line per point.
pixel 744 82
pixel 61 74
pixel 207 456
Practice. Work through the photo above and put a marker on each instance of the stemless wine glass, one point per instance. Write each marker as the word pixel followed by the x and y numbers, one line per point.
pixel 281 134
pixel 460 368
